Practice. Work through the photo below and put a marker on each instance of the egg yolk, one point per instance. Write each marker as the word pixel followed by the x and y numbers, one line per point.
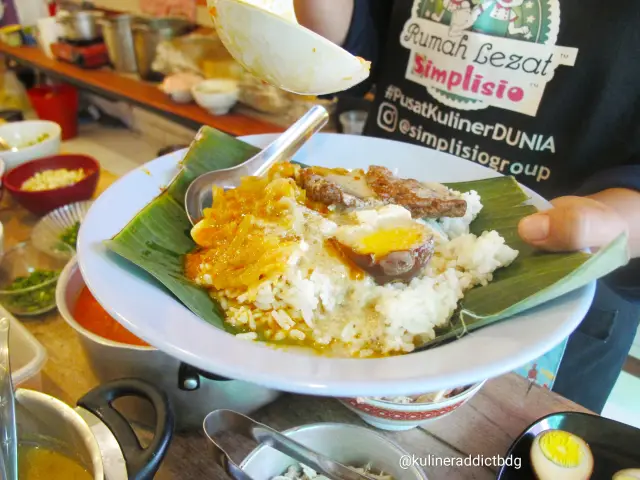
pixel 561 448
pixel 384 241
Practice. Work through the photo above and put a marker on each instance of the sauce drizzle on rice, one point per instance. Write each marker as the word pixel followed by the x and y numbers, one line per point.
pixel 356 279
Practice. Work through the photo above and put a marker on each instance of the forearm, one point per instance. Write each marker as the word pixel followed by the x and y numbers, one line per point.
pixel 626 203
pixel 329 18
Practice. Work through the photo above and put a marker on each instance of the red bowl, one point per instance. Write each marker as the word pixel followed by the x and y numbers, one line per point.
pixel 43 202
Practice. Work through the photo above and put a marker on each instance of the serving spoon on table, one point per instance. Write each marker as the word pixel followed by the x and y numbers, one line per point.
pixel 200 195
pixel 227 421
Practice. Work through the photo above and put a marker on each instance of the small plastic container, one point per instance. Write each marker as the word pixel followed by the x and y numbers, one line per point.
pixel 28 356
pixel 353 121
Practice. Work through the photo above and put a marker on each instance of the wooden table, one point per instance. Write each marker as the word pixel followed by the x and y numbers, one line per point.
pixel 108 83
pixel 486 425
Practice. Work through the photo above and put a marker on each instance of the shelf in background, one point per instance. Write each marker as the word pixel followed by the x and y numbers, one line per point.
pixel 107 83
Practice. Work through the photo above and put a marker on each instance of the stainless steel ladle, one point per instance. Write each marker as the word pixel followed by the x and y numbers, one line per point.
pixel 220 421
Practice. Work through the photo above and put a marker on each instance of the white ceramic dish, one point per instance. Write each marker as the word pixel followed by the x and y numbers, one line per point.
pixel 387 415
pixel 19 133
pixel 146 309
pixel 276 49
pixel 46 233
pixel 112 360
pixel 181 96
pixel 216 95
pixel 348 444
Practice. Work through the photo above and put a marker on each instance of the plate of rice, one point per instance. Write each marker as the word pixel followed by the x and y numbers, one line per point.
pixel 293 284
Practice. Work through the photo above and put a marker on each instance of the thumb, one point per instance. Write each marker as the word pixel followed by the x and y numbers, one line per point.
pixel 572 224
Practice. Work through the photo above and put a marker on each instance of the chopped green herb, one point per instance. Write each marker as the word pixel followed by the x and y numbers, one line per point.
pixel 36 299
pixel 41 138
pixel 70 235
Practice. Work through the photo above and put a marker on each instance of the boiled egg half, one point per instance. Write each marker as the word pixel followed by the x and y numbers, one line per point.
pixel 386 243
pixel 560 455
pixel 628 474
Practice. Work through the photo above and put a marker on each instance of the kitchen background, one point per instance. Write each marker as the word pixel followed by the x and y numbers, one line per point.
pixel 124 131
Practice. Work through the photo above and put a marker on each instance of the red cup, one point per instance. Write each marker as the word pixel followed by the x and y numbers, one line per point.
pixel 44 201
pixel 57 104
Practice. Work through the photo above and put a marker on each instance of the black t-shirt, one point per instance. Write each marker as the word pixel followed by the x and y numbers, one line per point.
pixel 547 91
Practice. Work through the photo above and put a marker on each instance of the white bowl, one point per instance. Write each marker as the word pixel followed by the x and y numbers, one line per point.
pixel 181 96
pixel 388 415
pixel 152 314
pixel 20 133
pixel 348 444
pixel 217 96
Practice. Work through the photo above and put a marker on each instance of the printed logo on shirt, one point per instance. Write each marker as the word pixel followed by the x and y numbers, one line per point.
pixel 471 54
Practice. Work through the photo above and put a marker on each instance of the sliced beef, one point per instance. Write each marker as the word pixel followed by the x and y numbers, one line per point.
pixel 421 200
pixel 344 190
pixel 378 186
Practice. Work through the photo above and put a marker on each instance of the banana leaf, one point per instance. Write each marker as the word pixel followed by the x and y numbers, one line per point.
pixel 158 237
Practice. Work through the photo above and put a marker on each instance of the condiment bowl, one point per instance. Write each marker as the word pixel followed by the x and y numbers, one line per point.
pixel 178 86
pixel 399 414
pixel 57 224
pixel 28 278
pixel 42 202
pixel 24 137
pixel 350 445
pixel 216 95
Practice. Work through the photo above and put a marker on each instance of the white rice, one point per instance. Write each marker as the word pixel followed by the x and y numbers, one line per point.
pixel 317 299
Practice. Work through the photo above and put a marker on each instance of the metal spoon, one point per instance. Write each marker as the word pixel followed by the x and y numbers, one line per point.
pixel 8 434
pixel 220 421
pixel 199 194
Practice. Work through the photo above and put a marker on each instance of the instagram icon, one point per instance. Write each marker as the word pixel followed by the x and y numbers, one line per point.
pixel 388 117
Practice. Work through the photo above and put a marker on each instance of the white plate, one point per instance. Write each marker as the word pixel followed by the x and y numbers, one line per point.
pixel 143 306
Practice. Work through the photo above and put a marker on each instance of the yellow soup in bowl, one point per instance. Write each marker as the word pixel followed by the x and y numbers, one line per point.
pixel 40 463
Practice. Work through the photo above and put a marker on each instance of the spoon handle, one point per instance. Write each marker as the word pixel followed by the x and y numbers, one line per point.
pixel 287 144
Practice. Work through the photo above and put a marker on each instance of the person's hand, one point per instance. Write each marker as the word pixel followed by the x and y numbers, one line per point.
pixel 572 224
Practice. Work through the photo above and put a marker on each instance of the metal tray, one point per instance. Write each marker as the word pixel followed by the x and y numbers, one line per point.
pixel 615 446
